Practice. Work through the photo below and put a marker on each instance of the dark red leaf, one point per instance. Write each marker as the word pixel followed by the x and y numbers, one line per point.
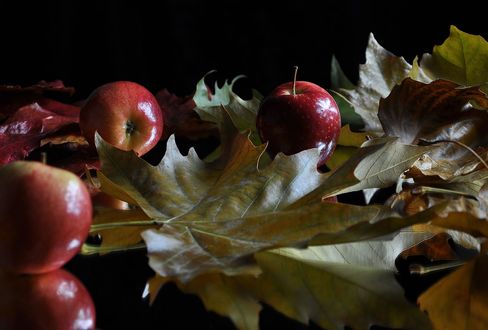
pixel 180 118
pixel 23 131
pixel 12 97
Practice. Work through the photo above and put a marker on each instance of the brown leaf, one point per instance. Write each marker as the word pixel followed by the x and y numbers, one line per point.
pixel 435 248
pixel 63 138
pixel 438 111
pixel 124 236
pixel 408 203
pixel 460 213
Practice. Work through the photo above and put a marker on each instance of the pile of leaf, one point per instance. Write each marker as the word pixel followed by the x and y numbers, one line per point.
pixel 239 229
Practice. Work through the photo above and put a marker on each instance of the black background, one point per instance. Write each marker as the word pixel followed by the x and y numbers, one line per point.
pixel 172 44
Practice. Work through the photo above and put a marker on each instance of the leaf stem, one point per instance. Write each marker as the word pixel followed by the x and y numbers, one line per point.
pixel 114 225
pixel 465 146
pixel 90 249
pixel 295 80
pixel 417 269
pixel 425 189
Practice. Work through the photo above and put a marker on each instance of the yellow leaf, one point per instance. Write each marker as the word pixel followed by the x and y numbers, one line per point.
pixel 351 139
pixel 459 301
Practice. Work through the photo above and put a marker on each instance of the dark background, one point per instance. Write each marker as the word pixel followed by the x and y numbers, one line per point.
pixel 172 44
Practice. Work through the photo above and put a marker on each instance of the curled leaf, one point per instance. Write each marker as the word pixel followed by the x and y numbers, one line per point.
pixel 462 58
pixel 437 111
pixel 223 104
pixel 381 72
pixel 333 295
pixel 377 164
pixel 23 131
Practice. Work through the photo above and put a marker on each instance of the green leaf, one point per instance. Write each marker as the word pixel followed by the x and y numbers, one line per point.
pixel 340 81
pixel 242 113
pixel 462 58
pixel 338 78
pixel 459 300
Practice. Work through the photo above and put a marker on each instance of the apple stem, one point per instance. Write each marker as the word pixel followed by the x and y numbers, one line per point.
pixel 295 80
pixel 43 158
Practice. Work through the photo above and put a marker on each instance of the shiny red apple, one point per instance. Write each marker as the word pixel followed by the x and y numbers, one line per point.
pixel 45 216
pixel 299 115
pixel 51 301
pixel 125 114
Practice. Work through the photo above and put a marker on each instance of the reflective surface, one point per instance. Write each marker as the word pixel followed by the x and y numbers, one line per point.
pixel 52 301
pixel 116 283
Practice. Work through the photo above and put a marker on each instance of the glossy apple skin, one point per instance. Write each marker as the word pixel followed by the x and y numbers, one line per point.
pixel 293 123
pixel 51 301
pixel 125 114
pixel 45 216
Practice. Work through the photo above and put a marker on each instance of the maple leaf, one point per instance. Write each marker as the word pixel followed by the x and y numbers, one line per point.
pixel 381 72
pixel 462 58
pixel 242 113
pixel 225 295
pixel 304 284
pixel 214 218
pixel 377 164
pixel 439 111
pixel 459 300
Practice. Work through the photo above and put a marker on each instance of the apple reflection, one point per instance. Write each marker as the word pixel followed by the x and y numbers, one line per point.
pixel 51 301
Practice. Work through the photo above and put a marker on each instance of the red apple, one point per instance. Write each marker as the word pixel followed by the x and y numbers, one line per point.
pixel 45 216
pixel 125 114
pixel 51 301
pixel 297 116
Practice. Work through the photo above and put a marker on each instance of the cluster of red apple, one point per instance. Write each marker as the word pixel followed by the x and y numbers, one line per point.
pixel 46 212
